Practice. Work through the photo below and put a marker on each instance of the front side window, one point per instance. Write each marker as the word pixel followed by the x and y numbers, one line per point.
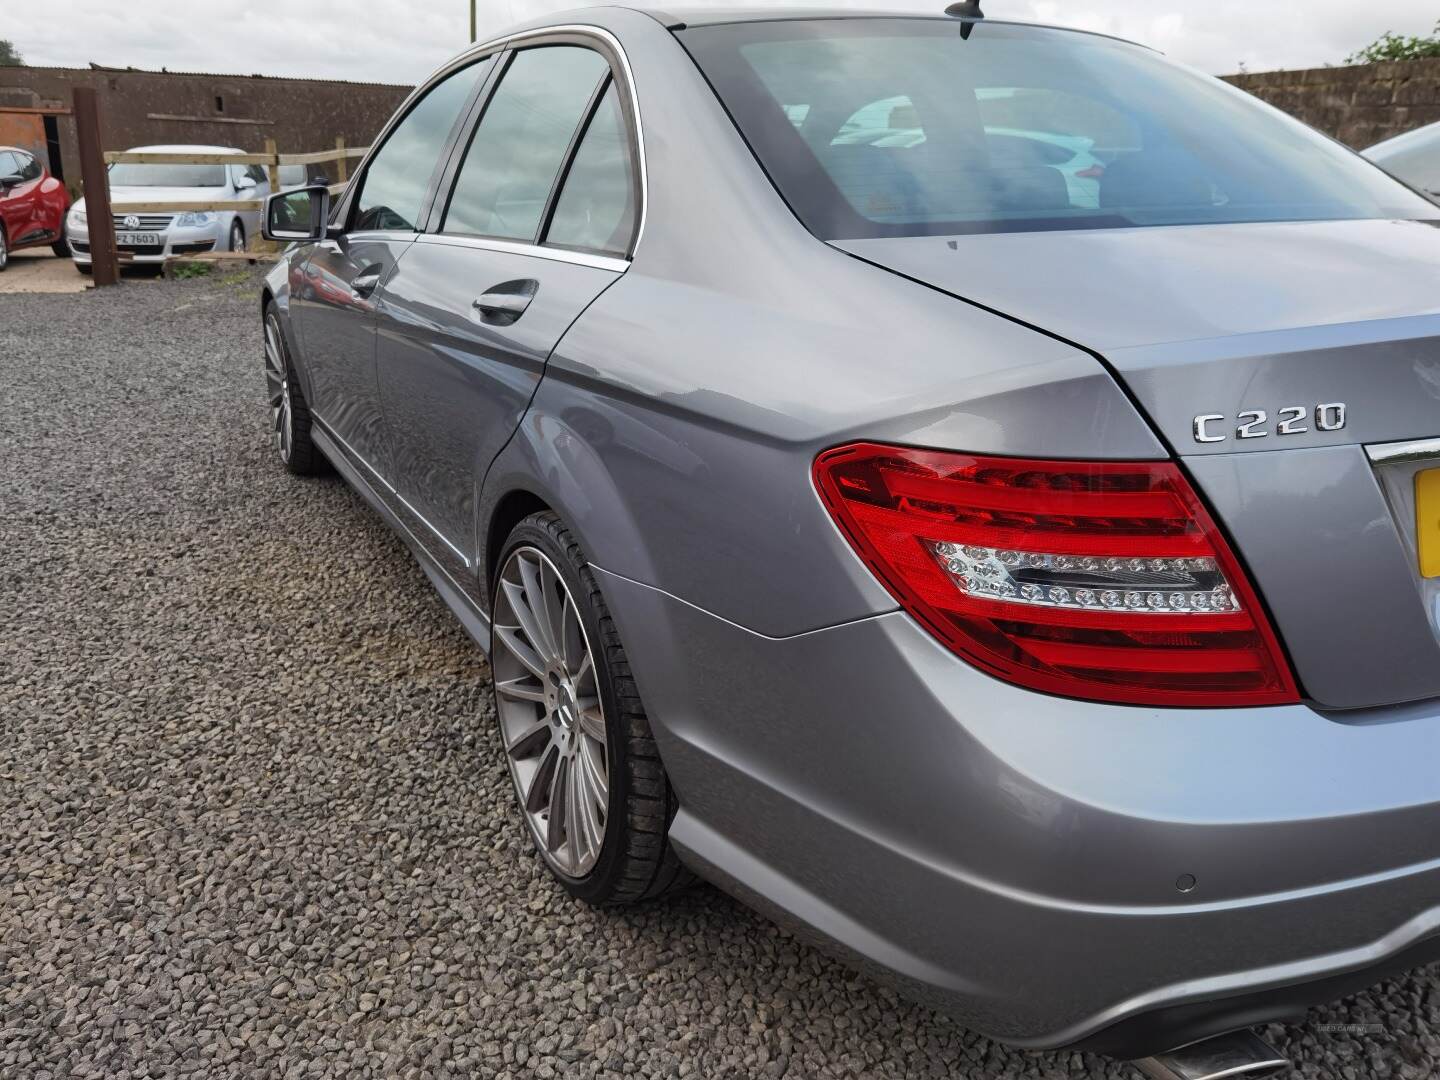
pixel 596 208
pixel 521 141
pixel 397 179
pixel 896 127
pixel 9 164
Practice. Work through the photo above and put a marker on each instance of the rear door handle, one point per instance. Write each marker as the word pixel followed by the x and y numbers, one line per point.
pixel 506 302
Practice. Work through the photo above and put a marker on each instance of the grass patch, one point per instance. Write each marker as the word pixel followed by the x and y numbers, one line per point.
pixel 186 271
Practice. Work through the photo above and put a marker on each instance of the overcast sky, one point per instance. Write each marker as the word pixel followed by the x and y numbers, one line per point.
pixel 403 40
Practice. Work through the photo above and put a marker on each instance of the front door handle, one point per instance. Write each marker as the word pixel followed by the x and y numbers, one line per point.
pixel 506 302
pixel 363 284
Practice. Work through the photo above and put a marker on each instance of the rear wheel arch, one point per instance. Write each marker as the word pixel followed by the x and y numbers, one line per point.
pixel 510 509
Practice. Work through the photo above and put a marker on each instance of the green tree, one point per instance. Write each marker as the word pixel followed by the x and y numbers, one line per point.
pixel 1393 46
pixel 8 56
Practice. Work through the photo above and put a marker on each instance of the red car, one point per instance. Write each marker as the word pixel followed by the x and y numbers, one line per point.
pixel 32 205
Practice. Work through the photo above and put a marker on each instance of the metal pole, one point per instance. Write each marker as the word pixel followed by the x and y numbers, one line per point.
pixel 103 260
pixel 472 22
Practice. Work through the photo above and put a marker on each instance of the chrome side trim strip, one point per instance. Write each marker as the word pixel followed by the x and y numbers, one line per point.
pixel 455 595
pixel 1390 453
pixel 579 258
pixel 389 488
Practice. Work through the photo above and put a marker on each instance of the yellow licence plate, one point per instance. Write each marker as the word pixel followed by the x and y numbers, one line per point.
pixel 1427 521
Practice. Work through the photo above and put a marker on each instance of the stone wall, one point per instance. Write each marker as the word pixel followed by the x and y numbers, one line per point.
pixel 1359 105
pixel 140 108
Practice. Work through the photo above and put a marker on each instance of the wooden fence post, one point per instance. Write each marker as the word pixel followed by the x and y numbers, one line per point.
pixel 104 265
pixel 272 170
pixel 340 163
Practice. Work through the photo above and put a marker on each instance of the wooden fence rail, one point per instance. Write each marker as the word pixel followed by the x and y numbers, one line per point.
pixel 90 133
pixel 271 159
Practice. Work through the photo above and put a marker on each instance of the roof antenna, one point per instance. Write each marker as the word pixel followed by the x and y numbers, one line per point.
pixel 969 10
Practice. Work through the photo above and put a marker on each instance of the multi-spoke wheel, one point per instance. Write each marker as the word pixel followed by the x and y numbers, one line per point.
pixel 551 717
pixel 289 415
pixel 277 385
pixel 579 747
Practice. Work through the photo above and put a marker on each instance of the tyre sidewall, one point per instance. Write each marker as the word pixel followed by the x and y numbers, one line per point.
pixel 597 884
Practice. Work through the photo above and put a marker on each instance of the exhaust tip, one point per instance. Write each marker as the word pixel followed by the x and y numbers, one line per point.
pixel 1236 1054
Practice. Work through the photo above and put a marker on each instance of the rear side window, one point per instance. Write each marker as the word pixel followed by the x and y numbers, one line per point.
pixel 897 127
pixel 9 164
pixel 514 158
pixel 596 208
pixel 393 189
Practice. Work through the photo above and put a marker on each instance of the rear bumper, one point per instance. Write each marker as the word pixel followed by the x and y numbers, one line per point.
pixel 1024 862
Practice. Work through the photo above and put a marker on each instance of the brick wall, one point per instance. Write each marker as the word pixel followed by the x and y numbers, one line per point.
pixel 1359 105
pixel 140 108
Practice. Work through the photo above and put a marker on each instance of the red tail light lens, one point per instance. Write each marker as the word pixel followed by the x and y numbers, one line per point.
pixel 1099 580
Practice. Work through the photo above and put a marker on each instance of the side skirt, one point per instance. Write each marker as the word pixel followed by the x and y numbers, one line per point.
pixel 456 596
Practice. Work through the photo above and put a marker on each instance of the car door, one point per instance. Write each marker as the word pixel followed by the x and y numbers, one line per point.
pixel 260 180
pixel 20 205
pixel 539 221
pixel 333 309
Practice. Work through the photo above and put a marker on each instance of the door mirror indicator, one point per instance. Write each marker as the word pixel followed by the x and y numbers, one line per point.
pixel 298 215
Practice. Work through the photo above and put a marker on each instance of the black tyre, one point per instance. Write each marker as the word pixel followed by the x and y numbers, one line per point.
pixel 61 248
pixel 237 236
pixel 587 773
pixel 4 250
pixel 84 268
pixel 289 413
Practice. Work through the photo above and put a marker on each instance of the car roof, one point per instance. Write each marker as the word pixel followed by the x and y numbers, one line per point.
pixel 679 14
pixel 1406 140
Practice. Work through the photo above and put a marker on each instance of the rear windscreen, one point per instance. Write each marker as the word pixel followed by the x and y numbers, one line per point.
pixel 895 127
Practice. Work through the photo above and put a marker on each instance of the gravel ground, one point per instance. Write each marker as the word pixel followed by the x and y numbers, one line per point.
pixel 253 817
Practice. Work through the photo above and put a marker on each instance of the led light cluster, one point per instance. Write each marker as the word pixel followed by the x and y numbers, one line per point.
pixel 1174 586
pixel 1103 580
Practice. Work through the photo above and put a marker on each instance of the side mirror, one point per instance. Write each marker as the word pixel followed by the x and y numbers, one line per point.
pixel 8 182
pixel 299 214
pixel 244 182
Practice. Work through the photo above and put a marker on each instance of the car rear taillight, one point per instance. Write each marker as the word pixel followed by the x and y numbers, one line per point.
pixel 1094 172
pixel 1100 580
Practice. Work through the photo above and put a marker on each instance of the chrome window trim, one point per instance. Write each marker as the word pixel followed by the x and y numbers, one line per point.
pixel 599 33
pixel 517 247
pixel 479 52
pixel 1391 453
pixel 359 459
pixel 470 56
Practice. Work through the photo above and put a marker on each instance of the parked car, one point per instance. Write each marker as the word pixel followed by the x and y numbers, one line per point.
pixel 153 237
pixel 32 205
pixel 1414 157
pixel 1038 601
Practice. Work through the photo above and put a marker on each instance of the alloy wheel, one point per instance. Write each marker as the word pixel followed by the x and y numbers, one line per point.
pixel 277 383
pixel 4 251
pixel 237 237
pixel 552 721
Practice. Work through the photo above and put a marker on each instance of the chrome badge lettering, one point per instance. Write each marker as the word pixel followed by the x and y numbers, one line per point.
pixel 1258 424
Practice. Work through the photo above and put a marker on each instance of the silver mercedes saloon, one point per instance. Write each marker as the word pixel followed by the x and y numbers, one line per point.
pixel 969 489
